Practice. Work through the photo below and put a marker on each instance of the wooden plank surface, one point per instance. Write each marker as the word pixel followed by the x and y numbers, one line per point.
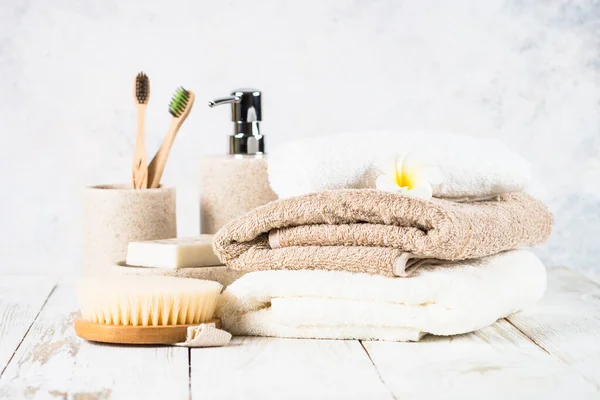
pixel 496 362
pixel 561 359
pixel 275 368
pixel 21 299
pixel 566 323
pixel 53 363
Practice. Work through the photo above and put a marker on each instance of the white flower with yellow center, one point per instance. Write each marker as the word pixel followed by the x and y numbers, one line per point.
pixel 408 176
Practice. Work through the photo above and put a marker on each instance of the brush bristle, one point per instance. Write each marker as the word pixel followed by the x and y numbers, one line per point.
pixel 179 102
pixel 142 88
pixel 148 300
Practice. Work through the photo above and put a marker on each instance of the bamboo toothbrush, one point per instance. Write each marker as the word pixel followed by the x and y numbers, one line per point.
pixel 141 95
pixel 180 107
pixel 144 309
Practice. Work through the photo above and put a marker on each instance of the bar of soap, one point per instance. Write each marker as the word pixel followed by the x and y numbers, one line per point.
pixel 173 253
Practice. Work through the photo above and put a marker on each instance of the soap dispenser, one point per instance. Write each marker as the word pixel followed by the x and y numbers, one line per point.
pixel 235 183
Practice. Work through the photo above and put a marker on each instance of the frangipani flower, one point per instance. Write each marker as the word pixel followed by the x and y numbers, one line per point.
pixel 408 176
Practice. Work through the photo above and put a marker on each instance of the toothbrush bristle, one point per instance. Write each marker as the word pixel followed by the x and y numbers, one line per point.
pixel 179 102
pixel 142 88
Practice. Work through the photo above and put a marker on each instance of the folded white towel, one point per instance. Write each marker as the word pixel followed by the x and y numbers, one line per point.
pixel 472 168
pixel 442 300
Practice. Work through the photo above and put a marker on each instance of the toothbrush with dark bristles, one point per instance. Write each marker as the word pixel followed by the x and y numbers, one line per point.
pixel 180 107
pixel 141 95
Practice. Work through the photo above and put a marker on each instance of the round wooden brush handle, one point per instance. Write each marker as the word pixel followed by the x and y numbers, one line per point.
pixel 128 334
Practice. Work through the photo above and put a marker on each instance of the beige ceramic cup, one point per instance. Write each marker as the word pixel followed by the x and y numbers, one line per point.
pixel 114 215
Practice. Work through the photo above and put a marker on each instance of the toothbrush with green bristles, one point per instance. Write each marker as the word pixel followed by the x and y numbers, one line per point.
pixel 180 107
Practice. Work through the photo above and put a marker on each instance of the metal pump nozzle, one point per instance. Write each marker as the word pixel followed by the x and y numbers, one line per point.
pixel 246 114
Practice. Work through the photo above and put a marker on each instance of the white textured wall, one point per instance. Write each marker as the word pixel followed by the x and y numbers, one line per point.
pixel 526 72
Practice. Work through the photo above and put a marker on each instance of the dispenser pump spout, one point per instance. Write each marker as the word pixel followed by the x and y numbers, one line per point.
pixel 246 114
pixel 224 100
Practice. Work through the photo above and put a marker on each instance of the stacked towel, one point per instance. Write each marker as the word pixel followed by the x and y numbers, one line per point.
pixel 376 232
pixel 342 260
pixel 441 300
pixel 472 168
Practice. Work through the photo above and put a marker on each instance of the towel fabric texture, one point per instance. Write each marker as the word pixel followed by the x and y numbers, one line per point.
pixel 375 232
pixel 452 299
pixel 205 335
pixel 472 167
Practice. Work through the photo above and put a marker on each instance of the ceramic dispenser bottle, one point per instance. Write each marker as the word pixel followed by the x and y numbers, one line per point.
pixel 235 183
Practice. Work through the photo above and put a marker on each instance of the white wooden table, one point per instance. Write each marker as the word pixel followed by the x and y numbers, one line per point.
pixel 552 351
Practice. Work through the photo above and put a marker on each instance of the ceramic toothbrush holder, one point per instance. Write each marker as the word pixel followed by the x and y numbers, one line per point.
pixel 114 215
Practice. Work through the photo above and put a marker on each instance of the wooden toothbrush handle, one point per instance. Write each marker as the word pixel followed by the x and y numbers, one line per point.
pixel 140 164
pixel 157 165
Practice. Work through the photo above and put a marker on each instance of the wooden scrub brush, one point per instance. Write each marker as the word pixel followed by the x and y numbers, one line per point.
pixel 144 309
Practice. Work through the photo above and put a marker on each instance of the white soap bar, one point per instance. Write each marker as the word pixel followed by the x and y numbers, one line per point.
pixel 173 253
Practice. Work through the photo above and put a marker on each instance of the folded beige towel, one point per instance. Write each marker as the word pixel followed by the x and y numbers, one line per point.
pixel 375 232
